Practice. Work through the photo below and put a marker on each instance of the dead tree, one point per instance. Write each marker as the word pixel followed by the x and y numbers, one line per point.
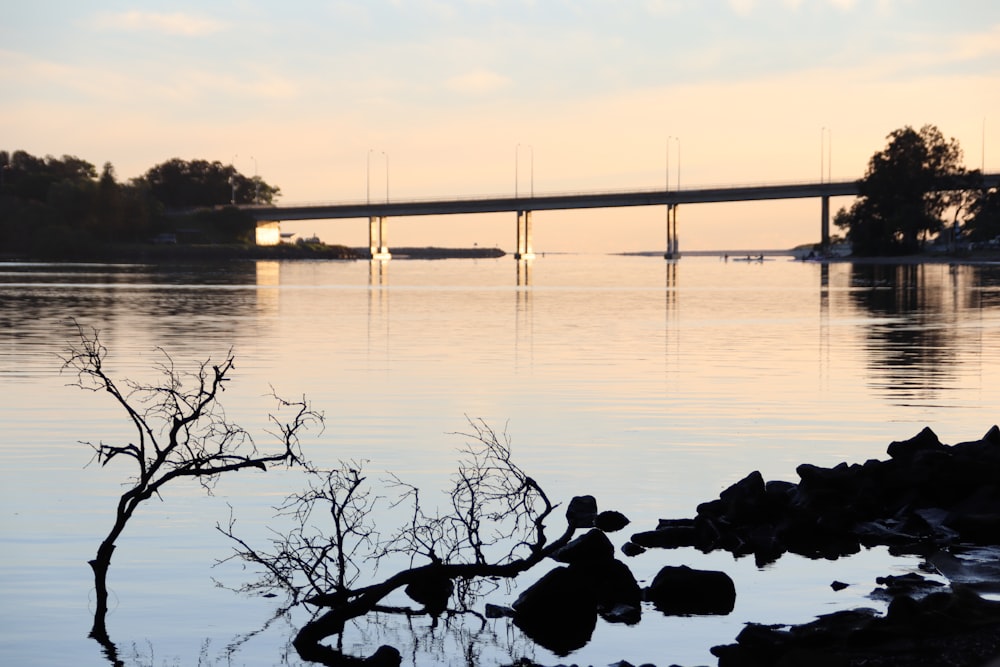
pixel 180 432
pixel 493 530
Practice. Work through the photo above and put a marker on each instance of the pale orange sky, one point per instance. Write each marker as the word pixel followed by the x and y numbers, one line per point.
pixel 591 91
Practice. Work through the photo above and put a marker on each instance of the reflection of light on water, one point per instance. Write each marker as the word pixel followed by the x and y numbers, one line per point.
pixel 268 281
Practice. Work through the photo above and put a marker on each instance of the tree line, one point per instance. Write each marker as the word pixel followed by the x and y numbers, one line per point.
pixel 916 191
pixel 65 207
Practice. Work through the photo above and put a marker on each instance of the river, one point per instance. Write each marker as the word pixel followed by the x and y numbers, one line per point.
pixel 651 385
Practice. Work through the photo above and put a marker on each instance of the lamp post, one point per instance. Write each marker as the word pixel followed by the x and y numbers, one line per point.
pixel 667 174
pixel 368 177
pixel 825 150
pixel 517 160
pixel 232 180
pixel 256 182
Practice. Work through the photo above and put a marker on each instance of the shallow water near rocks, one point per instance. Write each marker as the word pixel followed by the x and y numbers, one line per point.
pixel 651 385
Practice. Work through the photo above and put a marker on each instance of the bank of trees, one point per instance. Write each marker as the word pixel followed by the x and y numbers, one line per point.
pixel 61 207
pixel 916 190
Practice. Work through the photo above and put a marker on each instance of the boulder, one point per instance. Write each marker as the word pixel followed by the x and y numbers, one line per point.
pixel 432 592
pixel 681 590
pixel 592 546
pixel 581 512
pixel 559 611
pixel 925 441
pixel 611 521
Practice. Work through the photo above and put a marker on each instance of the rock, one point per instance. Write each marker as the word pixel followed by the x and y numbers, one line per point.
pixel 682 590
pixel 838 585
pixel 666 538
pixel 946 628
pixel 613 586
pixel 631 549
pixel 924 441
pixel 384 656
pixel 592 546
pixel 611 521
pixel 498 611
pixel 432 592
pixel 581 512
pixel 558 612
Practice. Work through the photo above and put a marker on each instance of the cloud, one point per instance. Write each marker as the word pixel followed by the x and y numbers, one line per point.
pixel 478 82
pixel 185 25
pixel 742 7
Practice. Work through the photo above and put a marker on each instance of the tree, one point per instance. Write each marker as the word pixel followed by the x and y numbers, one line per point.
pixel 181 432
pixel 906 189
pixel 493 530
pixel 984 223
pixel 182 184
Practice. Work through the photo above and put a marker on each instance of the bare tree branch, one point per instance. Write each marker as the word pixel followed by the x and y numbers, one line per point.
pixel 494 530
pixel 181 431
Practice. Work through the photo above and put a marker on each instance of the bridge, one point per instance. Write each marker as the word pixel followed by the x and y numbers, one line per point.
pixel 378 212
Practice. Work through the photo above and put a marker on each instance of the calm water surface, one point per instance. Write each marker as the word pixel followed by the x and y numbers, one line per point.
pixel 648 384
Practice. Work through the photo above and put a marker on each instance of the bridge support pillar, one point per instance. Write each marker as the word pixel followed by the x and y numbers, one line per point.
pixel 673 244
pixel 824 233
pixel 524 249
pixel 376 237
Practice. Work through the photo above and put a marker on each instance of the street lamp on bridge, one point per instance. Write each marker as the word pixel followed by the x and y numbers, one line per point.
pixel 825 150
pixel 368 177
pixel 517 159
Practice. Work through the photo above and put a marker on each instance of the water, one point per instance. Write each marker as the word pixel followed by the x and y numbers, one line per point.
pixel 651 385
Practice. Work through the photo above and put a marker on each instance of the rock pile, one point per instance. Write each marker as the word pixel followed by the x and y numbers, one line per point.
pixel 927 495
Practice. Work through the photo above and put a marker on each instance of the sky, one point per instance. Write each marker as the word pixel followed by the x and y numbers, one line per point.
pixel 342 100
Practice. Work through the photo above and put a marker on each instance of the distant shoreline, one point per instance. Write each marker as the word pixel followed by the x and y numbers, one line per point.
pixel 148 252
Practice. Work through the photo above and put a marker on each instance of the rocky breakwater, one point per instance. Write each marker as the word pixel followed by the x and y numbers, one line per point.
pixel 939 501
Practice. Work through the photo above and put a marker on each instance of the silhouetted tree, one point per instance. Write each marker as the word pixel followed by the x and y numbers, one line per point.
pixel 984 223
pixel 905 191
pixel 493 530
pixel 182 184
pixel 180 432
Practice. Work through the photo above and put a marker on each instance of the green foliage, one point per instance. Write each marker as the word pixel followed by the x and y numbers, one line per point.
pixel 984 223
pixel 182 184
pixel 904 193
pixel 63 208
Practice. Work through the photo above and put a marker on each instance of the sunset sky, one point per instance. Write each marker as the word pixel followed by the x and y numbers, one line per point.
pixel 457 97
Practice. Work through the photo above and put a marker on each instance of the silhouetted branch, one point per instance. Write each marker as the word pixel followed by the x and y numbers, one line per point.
pixel 494 530
pixel 181 431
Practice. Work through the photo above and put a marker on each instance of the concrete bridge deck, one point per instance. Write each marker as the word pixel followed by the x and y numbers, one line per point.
pixel 378 211
pixel 551 202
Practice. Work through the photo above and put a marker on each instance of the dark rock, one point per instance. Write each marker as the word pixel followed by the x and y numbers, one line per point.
pixel 592 546
pixel 631 549
pixel 910 585
pixel 559 611
pixel 948 628
pixel 498 611
pixel 581 512
pixel 613 585
pixel 622 613
pixel 838 585
pixel 432 592
pixel 384 656
pixel 682 590
pixel 611 521
pixel 667 538
pixel 924 441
